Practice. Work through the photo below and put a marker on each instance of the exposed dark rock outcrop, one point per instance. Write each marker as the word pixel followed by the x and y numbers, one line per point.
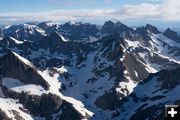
pixel 1 33
pixel 172 35
pixel 48 26
pixel 111 27
pixel 169 78
pixel 78 31
pixel 133 65
pixel 17 115
pixel 142 34
pixel 3 116
pixel 55 43
pixel 11 66
pixel 108 101
pixel 69 113
pixel 145 105
pixel 24 32
pixel 43 105
pixel 152 29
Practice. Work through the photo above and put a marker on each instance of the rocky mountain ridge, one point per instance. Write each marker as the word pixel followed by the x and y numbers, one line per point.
pixel 105 68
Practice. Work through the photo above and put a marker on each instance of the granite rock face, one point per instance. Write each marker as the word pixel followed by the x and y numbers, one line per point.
pixel 13 67
pixel 46 105
pixel 43 105
pixel 172 35
pixel 169 78
pixel 78 31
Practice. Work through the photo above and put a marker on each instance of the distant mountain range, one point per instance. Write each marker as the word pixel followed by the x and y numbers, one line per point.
pixel 80 71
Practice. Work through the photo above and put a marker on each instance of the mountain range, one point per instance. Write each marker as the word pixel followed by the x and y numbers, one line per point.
pixel 82 71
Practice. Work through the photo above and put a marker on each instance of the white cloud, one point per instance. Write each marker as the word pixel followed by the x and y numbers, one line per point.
pixel 142 10
pixel 168 10
pixel 59 15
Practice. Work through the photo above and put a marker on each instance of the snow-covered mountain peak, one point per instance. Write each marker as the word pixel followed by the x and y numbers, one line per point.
pixel 172 35
pixel 28 87
pixel 85 72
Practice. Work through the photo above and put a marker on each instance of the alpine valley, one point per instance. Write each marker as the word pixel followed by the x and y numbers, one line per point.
pixel 82 71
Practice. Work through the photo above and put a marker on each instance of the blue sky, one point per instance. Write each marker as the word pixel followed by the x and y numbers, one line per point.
pixel 45 5
pixel 132 12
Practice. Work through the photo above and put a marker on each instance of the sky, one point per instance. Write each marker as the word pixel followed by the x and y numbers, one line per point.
pixel 163 13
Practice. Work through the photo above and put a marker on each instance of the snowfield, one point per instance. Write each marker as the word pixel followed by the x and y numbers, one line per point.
pixel 8 105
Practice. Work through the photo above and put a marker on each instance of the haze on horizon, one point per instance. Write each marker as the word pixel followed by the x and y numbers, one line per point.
pixel 162 13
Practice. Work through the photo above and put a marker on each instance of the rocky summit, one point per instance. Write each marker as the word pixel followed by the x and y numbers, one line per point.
pixel 82 71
